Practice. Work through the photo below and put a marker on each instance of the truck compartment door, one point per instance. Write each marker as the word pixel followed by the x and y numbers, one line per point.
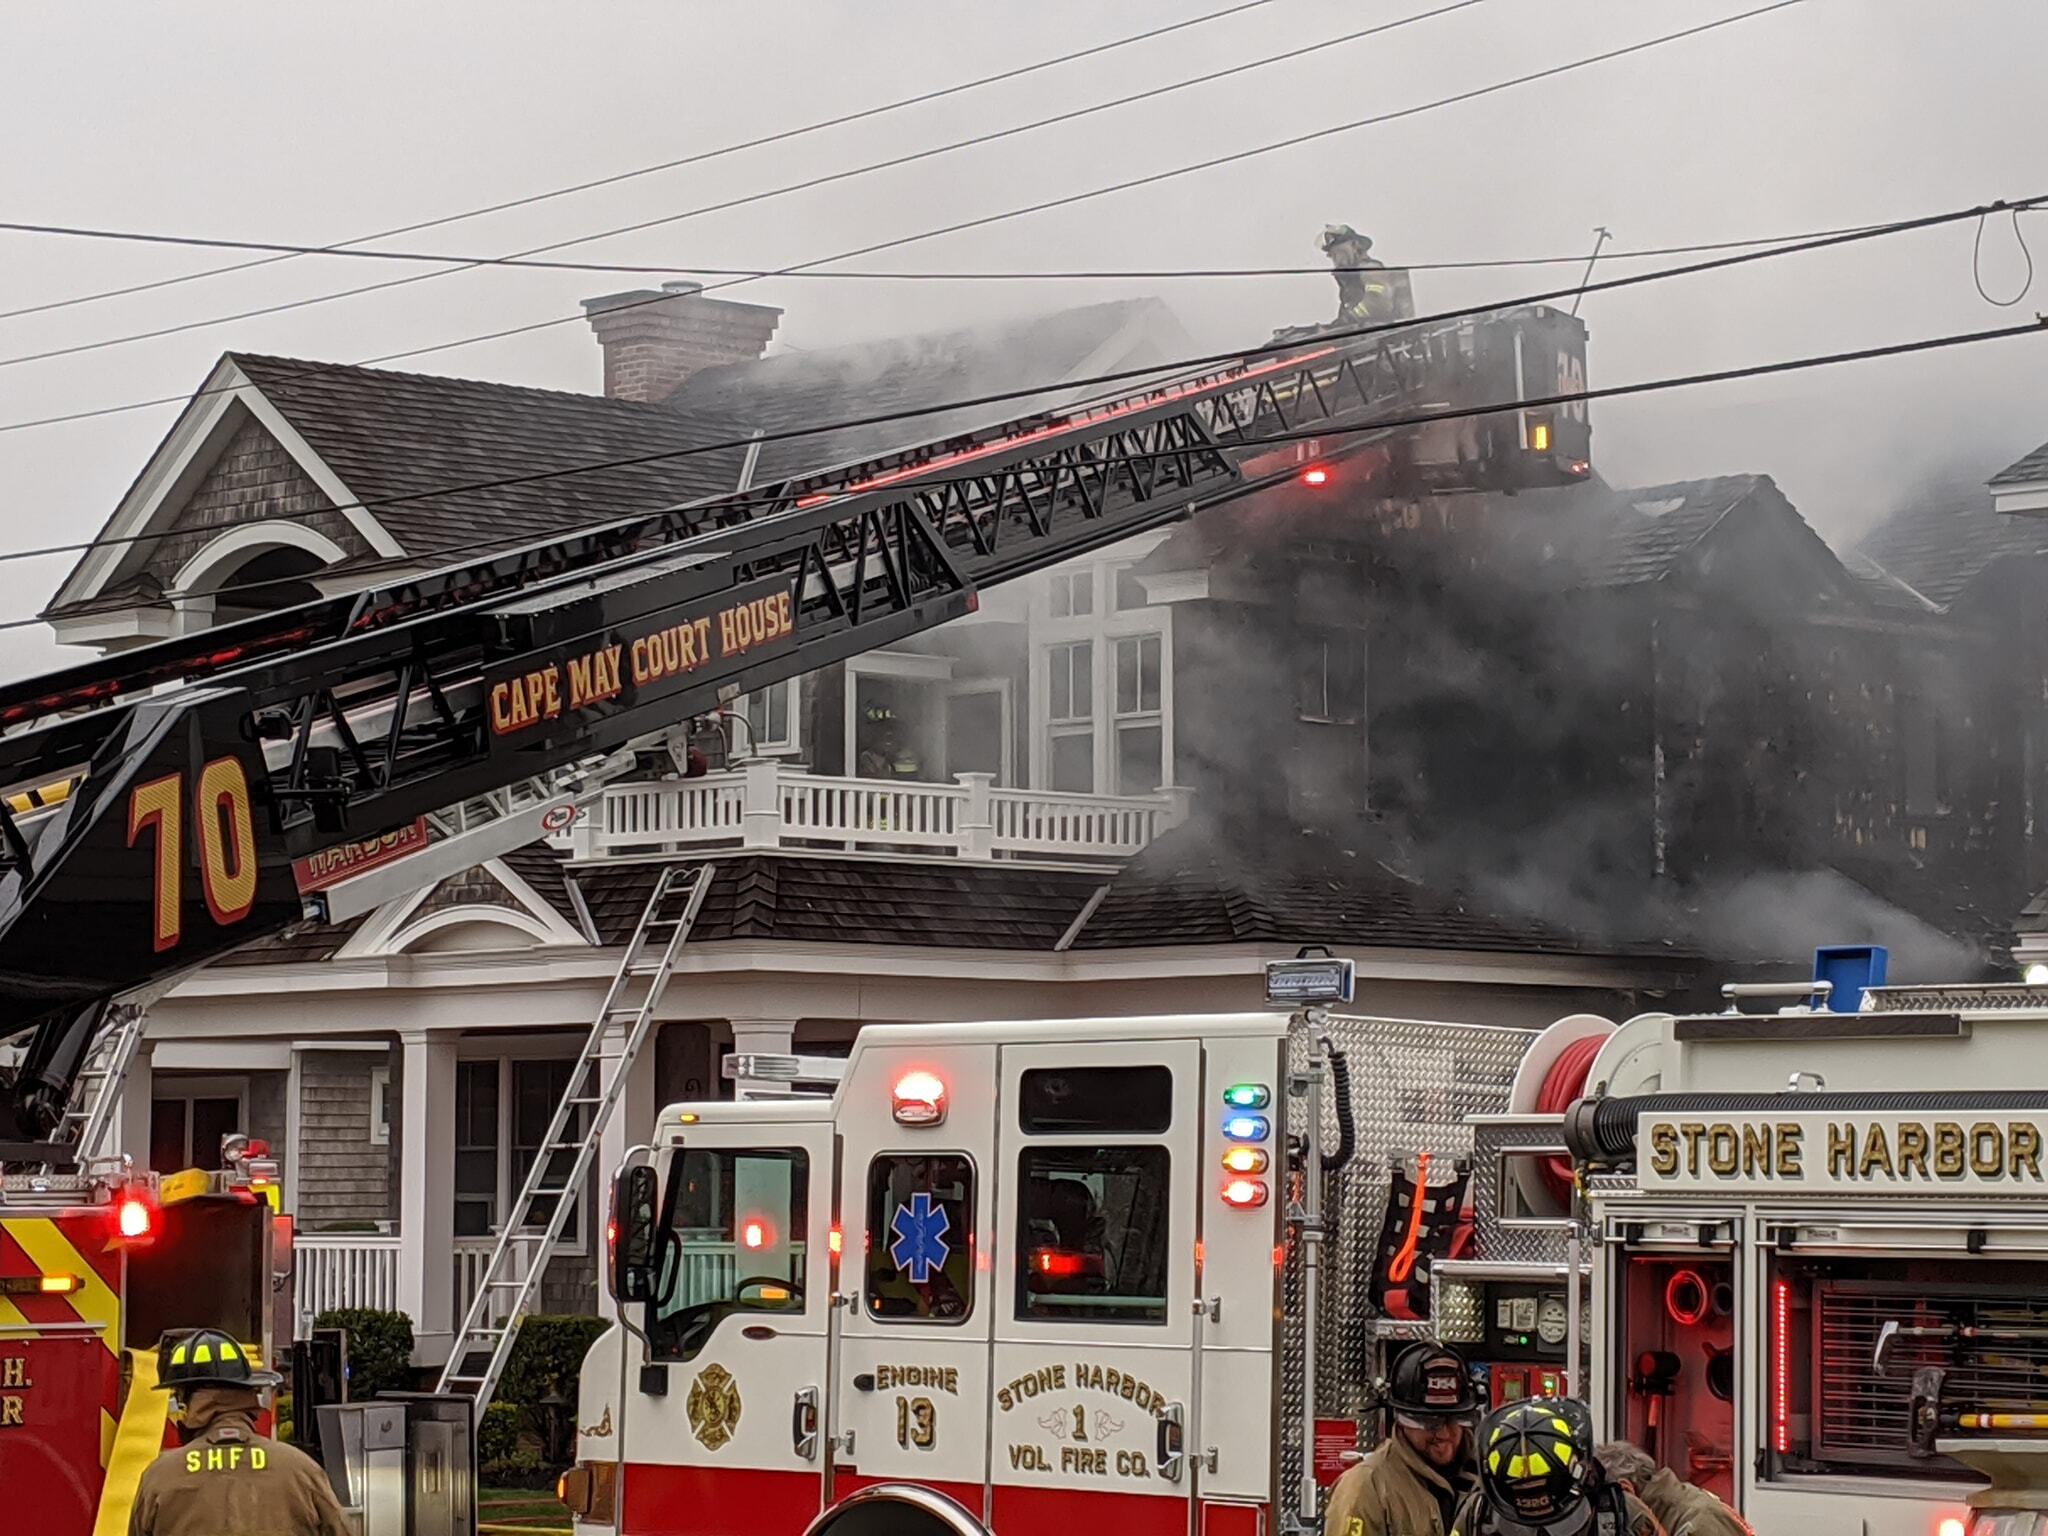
pixel 1095 1416
pixel 727 1442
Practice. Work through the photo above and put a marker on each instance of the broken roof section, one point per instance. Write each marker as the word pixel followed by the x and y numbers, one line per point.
pixel 1941 545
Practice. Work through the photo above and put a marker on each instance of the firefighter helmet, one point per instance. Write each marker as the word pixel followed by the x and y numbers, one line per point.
pixel 208 1358
pixel 1534 1462
pixel 1429 1384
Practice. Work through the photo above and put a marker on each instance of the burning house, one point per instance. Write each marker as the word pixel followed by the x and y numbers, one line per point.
pixel 1517 756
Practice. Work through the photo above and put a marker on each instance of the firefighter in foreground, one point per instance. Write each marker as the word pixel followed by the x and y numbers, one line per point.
pixel 1411 1483
pixel 227 1480
pixel 1538 1477
pixel 1682 1508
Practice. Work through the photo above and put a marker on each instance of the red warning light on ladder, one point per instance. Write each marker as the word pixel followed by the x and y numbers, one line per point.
pixel 133 1219
pixel 1315 474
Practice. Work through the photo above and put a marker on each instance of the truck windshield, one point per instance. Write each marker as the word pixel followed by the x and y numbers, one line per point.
pixel 735 1242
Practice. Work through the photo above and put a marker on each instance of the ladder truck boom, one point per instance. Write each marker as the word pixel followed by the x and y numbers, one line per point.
pixel 303 730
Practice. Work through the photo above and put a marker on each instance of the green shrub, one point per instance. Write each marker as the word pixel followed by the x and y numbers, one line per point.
pixel 497 1433
pixel 281 1416
pixel 379 1349
pixel 546 1363
pixel 522 1469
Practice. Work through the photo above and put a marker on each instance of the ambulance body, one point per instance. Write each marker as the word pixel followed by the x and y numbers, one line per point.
pixel 1770 1193
pixel 94 1268
pixel 1016 1277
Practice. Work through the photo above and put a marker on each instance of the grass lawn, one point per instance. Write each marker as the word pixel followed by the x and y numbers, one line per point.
pixel 528 1508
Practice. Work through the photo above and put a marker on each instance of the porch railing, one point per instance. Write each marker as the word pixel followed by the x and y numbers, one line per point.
pixel 361 1270
pixel 766 804
pixel 344 1270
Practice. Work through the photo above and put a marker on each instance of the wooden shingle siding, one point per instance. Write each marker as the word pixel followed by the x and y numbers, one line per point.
pixel 344 1177
pixel 253 479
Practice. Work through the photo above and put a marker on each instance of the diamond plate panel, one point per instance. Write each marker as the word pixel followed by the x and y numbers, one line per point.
pixel 1491 1240
pixel 1412 1085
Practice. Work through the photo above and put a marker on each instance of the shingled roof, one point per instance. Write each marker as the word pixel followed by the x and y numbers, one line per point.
pixel 388 434
pixel 1940 544
pixel 1194 886
pixel 2025 471
pixel 820 899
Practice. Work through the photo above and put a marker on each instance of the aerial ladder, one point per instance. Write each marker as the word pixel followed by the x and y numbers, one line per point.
pixel 197 775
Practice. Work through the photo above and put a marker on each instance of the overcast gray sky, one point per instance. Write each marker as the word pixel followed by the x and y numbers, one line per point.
pixel 318 122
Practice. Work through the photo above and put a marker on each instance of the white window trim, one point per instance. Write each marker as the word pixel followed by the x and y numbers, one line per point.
pixel 911 666
pixel 380 1102
pixel 534 1051
pixel 187 1089
pixel 742 738
pixel 1103 629
pixel 1000 686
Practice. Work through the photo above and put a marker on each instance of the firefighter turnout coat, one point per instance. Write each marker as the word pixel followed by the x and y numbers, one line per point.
pixel 1394 1492
pixel 1684 1509
pixel 230 1481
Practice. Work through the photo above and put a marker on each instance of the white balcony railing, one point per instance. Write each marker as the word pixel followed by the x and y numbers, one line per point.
pixel 765 804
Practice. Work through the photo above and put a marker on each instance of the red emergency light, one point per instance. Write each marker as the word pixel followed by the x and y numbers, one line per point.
pixel 134 1219
pixel 919 1099
pixel 1781 1366
pixel 756 1234
pixel 1315 475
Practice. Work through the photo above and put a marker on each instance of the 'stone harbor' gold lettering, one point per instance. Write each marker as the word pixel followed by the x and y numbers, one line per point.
pixel 1876 1153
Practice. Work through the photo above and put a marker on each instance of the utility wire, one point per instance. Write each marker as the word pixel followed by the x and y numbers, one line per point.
pixel 666 165
pixel 1420 419
pixel 996 218
pixel 749 198
pixel 1152 371
pixel 933 275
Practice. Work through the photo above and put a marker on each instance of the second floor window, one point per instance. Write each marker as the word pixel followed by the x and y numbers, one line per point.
pixel 1070 717
pixel 1140 727
pixel 770 720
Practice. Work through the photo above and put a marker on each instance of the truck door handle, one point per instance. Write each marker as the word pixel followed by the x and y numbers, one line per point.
pixel 803 1423
pixel 1171 1457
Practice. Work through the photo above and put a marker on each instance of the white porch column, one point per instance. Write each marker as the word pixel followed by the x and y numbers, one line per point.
pixel 426 1203
pixel 761 805
pixel 761 1037
pixel 976 826
pixel 128 1131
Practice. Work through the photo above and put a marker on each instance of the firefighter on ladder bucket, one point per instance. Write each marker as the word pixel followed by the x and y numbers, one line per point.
pixel 227 1480
pixel 1412 1482
pixel 1538 1477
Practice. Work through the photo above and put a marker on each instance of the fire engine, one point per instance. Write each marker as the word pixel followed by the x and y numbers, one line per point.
pixel 1018 1276
pixel 1819 1222
pixel 96 1265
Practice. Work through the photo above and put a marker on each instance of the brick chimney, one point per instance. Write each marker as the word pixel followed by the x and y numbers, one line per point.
pixel 653 341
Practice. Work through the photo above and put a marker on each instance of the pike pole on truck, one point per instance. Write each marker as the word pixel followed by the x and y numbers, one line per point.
pixel 169 804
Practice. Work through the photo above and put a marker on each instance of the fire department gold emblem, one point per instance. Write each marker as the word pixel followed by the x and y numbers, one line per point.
pixel 714 1406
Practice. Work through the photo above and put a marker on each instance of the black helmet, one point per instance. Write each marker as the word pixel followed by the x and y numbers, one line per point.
pixel 1429 1384
pixel 1534 1461
pixel 208 1358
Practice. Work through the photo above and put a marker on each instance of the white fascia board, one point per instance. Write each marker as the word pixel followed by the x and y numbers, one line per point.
pixel 2020 498
pixel 185 452
pixel 138 624
pixel 1175 586
pixel 484 972
pixel 201 1055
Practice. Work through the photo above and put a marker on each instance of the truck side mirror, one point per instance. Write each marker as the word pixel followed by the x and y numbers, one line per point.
pixel 634 1238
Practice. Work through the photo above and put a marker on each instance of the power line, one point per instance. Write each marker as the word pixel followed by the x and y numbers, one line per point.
pixel 1119 376
pixel 989 219
pixel 746 199
pixel 930 275
pixel 1421 419
pixel 666 165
